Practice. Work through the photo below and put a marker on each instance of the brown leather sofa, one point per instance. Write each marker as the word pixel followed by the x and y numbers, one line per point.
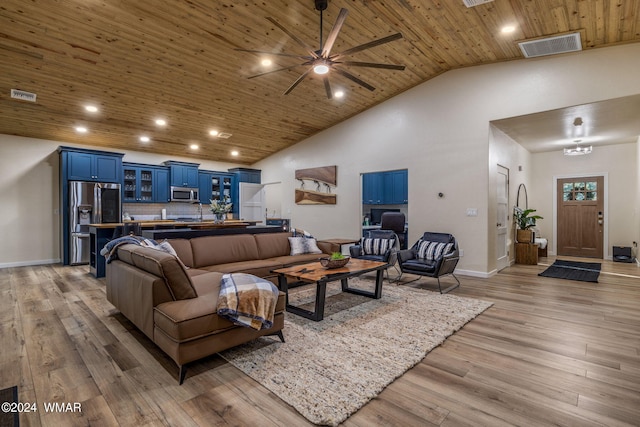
pixel 176 306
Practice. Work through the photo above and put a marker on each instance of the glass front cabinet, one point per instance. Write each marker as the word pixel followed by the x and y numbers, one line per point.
pixel 215 186
pixel 145 184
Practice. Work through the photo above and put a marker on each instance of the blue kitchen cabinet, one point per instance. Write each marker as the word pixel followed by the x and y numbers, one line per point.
pixel 90 165
pixel 145 184
pixel 395 187
pixel 385 188
pixel 161 193
pixel 183 174
pixel 216 186
pixel 372 188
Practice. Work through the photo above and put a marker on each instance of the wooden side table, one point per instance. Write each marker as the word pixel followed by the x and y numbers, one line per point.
pixel 527 253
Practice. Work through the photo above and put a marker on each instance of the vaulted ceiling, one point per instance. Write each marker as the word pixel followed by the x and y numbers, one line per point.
pixel 142 60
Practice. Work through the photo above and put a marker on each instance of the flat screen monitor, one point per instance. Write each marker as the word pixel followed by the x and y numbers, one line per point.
pixel 376 214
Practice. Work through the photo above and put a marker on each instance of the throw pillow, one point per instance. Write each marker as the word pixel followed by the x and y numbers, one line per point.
pixel 303 245
pixel 433 250
pixel 376 246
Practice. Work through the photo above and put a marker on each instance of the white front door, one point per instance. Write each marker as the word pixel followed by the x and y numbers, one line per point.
pixel 502 226
pixel 252 202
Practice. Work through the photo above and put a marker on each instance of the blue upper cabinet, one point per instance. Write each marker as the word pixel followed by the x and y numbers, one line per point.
pixel 253 176
pixel 385 188
pixel 89 165
pixel 183 174
pixel 216 186
pixel 145 183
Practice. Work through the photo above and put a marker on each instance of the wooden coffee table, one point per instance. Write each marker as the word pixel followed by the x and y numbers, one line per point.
pixel 315 272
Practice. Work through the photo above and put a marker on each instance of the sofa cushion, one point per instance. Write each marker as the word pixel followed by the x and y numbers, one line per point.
pixel 260 267
pixel 191 319
pixel 215 250
pixel 161 264
pixel 271 245
pixel 183 250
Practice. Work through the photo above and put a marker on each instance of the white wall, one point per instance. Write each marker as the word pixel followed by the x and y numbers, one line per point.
pixel 439 131
pixel 29 196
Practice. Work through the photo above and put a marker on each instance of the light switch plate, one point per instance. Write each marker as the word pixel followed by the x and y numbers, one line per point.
pixel 472 211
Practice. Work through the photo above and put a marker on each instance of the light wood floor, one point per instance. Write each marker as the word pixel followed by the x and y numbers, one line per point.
pixel 549 352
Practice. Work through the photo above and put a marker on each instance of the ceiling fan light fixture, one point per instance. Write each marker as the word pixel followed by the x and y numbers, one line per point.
pixel 321 68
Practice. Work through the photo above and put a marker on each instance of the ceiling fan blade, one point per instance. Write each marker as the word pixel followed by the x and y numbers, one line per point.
pixel 294 37
pixel 370 44
pixel 353 78
pixel 297 82
pixel 333 35
pixel 327 87
pixel 307 57
pixel 372 65
pixel 275 71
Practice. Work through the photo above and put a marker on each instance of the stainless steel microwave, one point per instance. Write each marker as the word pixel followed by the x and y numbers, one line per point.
pixel 184 194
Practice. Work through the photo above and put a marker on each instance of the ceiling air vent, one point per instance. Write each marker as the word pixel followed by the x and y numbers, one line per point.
pixel 224 135
pixel 551 45
pixel 473 3
pixel 23 95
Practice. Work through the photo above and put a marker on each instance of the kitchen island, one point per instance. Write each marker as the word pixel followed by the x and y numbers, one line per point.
pixel 100 234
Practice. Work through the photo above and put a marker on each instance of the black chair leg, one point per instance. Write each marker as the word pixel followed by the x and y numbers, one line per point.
pixel 450 288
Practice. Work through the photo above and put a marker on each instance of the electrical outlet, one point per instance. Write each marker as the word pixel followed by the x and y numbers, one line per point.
pixel 472 211
pixel 461 252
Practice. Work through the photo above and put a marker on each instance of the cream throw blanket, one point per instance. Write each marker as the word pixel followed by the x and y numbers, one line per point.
pixel 247 300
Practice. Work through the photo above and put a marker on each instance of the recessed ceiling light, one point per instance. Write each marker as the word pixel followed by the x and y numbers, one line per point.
pixel 194 146
pixel 81 129
pixel 266 62
pixel 234 153
pixel 161 122
pixel 145 138
pixel 91 108
pixel 338 94
pixel 508 29
pixel 213 132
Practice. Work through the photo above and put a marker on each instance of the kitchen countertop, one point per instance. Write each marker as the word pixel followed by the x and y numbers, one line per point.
pixel 195 224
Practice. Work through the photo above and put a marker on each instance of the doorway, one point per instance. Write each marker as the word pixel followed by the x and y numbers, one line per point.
pixel 502 210
pixel 580 216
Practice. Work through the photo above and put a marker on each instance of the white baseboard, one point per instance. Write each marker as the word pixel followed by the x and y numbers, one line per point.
pixel 29 263
pixel 474 273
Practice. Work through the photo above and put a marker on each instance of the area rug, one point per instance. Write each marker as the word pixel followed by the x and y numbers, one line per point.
pixel 327 370
pixel 572 270
pixel 9 415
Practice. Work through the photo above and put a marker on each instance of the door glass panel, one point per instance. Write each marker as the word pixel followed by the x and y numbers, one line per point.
pixel 580 195
pixel 592 186
pixel 592 195
pixel 567 196
pixel 579 186
pixel 567 186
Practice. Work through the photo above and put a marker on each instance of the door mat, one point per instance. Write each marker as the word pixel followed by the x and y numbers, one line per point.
pixel 9 418
pixel 573 270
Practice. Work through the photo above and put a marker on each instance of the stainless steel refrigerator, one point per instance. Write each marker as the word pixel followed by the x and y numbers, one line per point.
pixel 90 203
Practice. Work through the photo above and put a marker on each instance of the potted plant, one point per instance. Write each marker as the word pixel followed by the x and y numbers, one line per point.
pixel 524 221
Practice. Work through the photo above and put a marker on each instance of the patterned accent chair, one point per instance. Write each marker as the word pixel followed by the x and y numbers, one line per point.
pixel 379 245
pixel 433 255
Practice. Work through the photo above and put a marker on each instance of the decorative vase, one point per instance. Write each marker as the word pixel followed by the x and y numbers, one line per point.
pixel 218 218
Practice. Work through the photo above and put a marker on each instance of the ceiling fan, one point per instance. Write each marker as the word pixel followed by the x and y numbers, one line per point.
pixel 322 61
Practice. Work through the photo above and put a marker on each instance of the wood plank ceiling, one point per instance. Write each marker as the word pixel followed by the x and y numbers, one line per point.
pixel 140 60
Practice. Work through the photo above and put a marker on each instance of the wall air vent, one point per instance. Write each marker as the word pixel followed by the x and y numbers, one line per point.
pixel 224 135
pixel 474 3
pixel 23 95
pixel 551 45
